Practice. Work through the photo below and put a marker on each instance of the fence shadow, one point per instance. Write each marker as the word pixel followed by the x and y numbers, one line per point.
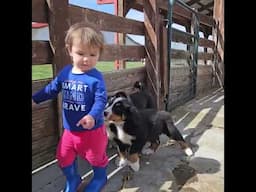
pixel 198 115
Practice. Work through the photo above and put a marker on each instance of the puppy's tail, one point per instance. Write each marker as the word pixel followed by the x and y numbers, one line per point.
pixel 173 132
pixel 164 117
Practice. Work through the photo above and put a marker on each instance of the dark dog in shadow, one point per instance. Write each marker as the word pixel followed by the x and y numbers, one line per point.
pixel 141 98
pixel 131 128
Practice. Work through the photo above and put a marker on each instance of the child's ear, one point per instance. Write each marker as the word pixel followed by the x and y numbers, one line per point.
pixel 68 48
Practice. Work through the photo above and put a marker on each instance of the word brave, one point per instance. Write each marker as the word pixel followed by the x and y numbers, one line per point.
pixel 73 107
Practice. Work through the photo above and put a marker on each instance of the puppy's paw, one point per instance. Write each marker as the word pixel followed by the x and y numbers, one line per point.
pixel 147 145
pixel 135 166
pixel 188 151
pixel 121 162
pixel 147 151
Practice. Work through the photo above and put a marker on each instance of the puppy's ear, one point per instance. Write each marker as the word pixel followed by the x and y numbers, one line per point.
pixel 130 108
pixel 127 105
pixel 121 94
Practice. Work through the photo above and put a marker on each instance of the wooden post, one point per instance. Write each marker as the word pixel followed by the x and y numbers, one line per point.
pixel 188 30
pixel 120 36
pixel 218 37
pixel 153 49
pixel 206 35
pixel 58 25
pixel 165 71
pixel 218 15
pixel 194 51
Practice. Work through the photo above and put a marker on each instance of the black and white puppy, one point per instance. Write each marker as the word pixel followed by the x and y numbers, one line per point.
pixel 140 97
pixel 131 129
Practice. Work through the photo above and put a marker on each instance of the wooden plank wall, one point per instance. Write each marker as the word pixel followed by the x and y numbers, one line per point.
pixel 44 129
pixel 123 80
pixel 45 118
pixel 181 84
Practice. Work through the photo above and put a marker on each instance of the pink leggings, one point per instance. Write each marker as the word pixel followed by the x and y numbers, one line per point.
pixel 89 145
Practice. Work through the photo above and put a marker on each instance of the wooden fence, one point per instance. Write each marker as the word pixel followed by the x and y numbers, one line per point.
pixel 60 15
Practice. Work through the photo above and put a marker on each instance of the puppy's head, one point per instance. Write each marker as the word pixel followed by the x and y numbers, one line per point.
pixel 112 98
pixel 118 108
pixel 121 94
pixel 138 86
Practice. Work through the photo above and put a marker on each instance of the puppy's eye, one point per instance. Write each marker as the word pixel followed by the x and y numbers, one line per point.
pixel 118 108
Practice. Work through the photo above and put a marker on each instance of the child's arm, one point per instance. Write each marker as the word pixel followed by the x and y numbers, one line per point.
pixel 100 100
pixel 50 91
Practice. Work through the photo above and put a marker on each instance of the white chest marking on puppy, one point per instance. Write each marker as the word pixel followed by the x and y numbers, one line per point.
pixel 110 134
pixel 124 137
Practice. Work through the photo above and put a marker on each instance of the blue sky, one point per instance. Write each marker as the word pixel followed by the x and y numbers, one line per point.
pixel 92 4
pixel 107 8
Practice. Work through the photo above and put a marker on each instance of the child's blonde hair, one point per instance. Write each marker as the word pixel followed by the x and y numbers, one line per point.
pixel 87 34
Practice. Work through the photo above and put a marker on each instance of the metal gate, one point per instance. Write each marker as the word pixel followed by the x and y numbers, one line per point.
pixel 189 91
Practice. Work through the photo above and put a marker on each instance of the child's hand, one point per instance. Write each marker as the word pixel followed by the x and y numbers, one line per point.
pixel 87 122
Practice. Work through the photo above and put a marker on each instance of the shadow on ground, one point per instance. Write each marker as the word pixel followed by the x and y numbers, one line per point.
pixel 199 115
pixel 201 121
pixel 186 173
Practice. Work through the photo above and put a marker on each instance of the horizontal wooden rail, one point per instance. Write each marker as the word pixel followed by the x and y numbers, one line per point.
pixel 181 36
pixel 39 11
pixel 206 43
pixel 181 54
pixel 186 38
pixel 122 52
pixel 205 56
pixel 41 52
pixel 182 11
pixel 105 21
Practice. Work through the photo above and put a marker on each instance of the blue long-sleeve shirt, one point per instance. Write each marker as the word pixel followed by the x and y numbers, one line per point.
pixel 82 94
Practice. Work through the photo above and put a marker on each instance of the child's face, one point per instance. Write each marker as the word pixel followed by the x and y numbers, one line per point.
pixel 84 57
